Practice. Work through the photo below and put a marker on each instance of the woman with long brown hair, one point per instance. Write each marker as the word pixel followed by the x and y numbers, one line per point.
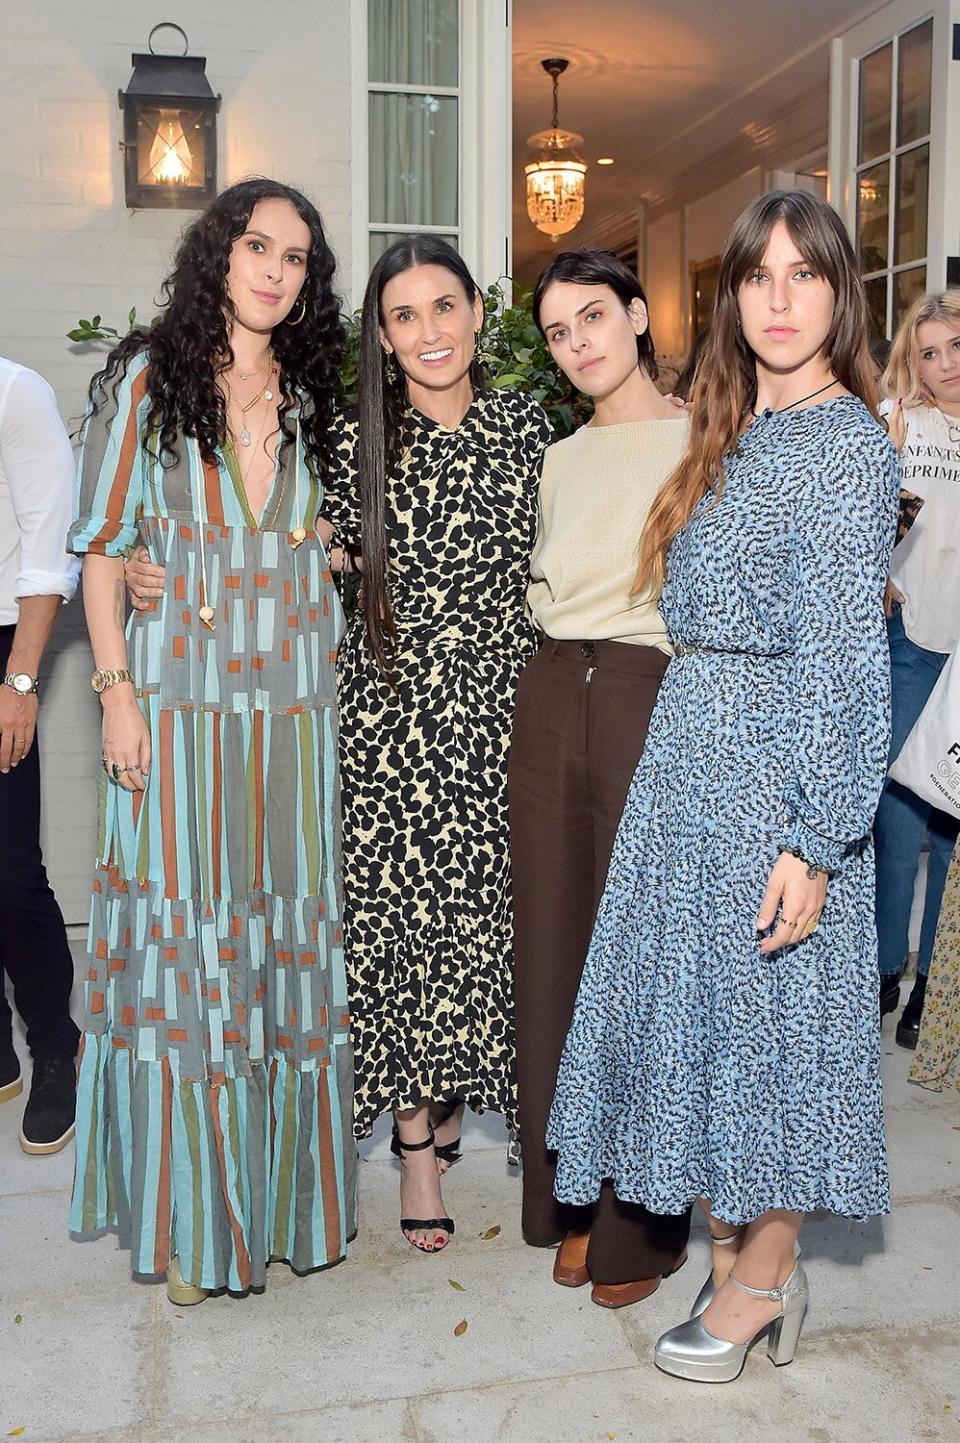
pixel 724 1046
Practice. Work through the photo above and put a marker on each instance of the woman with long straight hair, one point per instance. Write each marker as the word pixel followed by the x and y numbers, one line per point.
pixel 724 1046
pixel 437 488
pixel 215 1096
pixel 583 706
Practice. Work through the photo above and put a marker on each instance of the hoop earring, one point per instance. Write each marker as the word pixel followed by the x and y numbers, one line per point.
pixel 303 312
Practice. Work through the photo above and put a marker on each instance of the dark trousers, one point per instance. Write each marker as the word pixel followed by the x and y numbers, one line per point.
pixel 33 940
pixel 581 720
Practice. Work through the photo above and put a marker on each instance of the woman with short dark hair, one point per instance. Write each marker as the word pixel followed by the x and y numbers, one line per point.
pixel 583 705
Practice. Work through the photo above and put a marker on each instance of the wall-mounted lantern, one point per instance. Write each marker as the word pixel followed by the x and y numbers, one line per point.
pixel 169 130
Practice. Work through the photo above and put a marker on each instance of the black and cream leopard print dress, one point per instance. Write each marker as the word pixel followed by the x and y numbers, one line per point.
pixel 424 769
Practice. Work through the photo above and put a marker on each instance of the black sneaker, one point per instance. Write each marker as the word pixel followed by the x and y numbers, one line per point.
pixel 889 992
pixel 11 1083
pixel 47 1124
pixel 908 1028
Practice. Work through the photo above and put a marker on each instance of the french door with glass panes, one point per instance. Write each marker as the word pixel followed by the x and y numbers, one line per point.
pixel 894 159
pixel 431 129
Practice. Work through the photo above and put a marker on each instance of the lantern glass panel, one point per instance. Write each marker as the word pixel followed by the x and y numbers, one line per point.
pixel 170 148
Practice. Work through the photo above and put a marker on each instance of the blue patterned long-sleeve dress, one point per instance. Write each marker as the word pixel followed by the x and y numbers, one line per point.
pixel 697 1065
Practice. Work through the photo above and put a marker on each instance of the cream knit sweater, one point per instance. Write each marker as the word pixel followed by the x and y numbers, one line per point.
pixel 596 490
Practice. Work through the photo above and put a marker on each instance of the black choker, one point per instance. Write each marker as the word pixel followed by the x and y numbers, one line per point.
pixel 775 410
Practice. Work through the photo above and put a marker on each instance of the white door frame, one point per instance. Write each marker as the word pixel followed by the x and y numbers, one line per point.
pixel 485 141
pixel 943 237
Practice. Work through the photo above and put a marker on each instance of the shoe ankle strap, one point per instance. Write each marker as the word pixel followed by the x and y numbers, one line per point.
pixel 776 1295
pixel 728 1238
pixel 416 1146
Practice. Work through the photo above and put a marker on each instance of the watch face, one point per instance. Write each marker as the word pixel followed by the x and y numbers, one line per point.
pixel 97 681
pixel 22 683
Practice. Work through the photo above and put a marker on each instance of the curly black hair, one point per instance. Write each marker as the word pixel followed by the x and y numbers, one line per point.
pixel 189 345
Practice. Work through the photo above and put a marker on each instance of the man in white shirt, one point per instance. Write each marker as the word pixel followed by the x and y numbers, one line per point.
pixel 36 577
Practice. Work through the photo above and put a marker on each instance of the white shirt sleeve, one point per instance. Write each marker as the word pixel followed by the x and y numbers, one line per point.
pixel 38 464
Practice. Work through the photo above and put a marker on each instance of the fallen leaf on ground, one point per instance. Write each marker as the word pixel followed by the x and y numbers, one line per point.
pixel 16 1432
pixel 460 1329
pixel 457 1286
pixel 490 1233
pixel 18 1318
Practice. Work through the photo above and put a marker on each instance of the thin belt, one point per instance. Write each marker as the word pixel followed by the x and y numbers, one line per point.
pixel 686 648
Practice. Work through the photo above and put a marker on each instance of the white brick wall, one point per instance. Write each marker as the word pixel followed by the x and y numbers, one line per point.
pixel 69 247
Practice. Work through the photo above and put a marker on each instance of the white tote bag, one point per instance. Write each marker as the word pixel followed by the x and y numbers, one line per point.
pixel 929 760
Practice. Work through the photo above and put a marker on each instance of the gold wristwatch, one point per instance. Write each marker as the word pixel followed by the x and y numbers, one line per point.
pixel 103 679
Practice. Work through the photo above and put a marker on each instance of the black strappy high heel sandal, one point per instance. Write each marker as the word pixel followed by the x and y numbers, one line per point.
pixel 448 1152
pixel 411 1224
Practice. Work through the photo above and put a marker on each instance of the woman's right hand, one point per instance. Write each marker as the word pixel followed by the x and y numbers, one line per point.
pixel 891 597
pixel 144 580
pixel 125 739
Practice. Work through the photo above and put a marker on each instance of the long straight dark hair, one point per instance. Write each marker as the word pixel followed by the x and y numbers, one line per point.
pixel 726 388
pixel 383 424
pixel 599 268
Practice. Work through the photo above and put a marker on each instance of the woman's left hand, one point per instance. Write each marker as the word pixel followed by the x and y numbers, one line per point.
pixel 800 900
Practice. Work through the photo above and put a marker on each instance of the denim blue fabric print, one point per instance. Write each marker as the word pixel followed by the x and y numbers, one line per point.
pixel 695 1065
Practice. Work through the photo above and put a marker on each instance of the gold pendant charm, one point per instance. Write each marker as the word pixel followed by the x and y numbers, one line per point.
pixel 297 537
pixel 268 395
pixel 206 615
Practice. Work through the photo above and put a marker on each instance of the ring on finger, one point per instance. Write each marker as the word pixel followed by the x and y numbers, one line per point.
pixel 115 771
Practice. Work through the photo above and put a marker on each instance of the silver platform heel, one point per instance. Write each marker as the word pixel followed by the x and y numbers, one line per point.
pixel 690 1351
pixel 708 1292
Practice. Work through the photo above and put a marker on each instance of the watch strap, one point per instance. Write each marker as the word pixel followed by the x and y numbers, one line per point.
pixel 10 681
pixel 102 680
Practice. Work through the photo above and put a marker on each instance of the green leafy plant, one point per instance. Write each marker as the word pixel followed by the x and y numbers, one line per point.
pixel 514 353
pixel 87 331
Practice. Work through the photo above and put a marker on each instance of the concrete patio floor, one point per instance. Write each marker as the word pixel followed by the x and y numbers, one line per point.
pixel 366 1353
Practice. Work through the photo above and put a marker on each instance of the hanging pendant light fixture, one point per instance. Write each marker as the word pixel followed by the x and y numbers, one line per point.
pixel 556 180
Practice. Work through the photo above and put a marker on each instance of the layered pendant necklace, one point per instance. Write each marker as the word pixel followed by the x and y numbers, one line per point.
pixel 265 393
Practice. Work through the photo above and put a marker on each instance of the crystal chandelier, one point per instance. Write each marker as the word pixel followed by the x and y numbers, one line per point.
pixel 556 179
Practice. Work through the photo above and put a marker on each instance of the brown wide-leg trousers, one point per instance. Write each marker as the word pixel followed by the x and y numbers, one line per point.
pixel 581 720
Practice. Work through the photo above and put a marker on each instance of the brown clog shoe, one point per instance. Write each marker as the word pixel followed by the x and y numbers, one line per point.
pixel 570 1261
pixel 621 1295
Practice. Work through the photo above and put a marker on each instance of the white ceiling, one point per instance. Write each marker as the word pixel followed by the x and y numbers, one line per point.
pixel 683 94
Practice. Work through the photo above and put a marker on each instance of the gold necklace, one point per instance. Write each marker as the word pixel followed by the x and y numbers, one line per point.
pixel 265 393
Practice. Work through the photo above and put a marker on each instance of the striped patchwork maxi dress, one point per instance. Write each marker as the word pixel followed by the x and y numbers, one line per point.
pixel 215 1093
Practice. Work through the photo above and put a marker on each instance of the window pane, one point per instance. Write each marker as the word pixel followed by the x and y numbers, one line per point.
pixel 876 72
pixel 413 159
pixel 413 42
pixel 873 213
pixel 913 176
pixel 877 305
pixel 907 285
pixel 913 83
pixel 382 240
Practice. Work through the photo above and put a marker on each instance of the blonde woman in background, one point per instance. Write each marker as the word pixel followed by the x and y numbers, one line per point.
pixel 922 386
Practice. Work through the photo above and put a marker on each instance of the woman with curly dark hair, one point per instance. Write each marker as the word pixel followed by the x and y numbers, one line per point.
pixel 216 1080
